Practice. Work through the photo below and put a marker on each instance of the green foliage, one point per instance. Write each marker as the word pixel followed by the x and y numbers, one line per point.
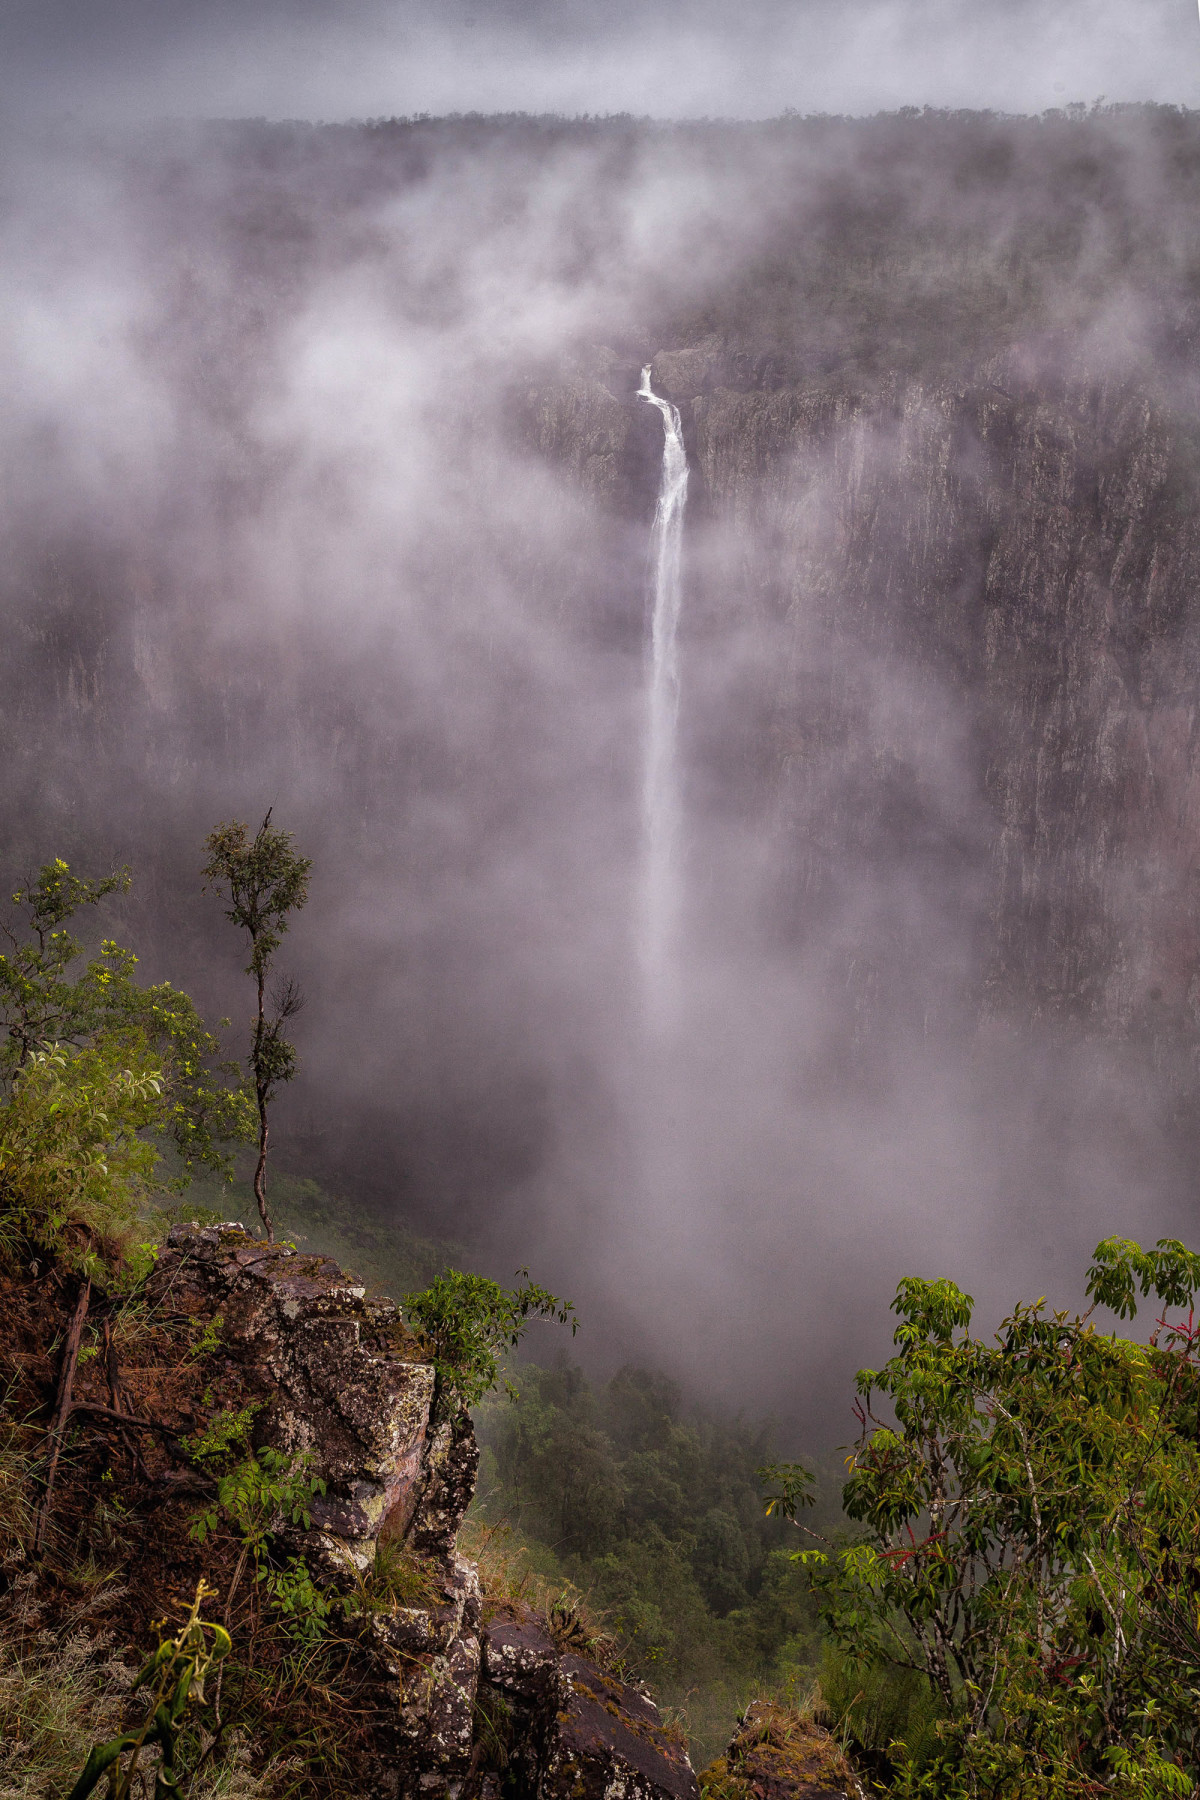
pixel 1120 1267
pixel 176 1672
pixel 207 1108
pixel 261 1495
pixel 38 1000
pixel 226 1434
pixel 263 879
pixel 1032 1540
pixel 657 1518
pixel 303 1607
pixel 43 999
pixel 468 1321
pixel 791 1484
pixel 75 1170
pixel 209 1339
pixel 871 1706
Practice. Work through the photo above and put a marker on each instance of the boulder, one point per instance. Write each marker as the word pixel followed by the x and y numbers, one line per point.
pixel 582 1734
pixel 522 1659
pixel 339 1376
pixel 607 1742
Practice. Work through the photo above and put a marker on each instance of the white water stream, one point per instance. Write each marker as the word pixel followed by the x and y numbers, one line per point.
pixel 661 798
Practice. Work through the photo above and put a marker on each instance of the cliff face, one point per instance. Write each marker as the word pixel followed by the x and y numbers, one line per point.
pixel 939 636
pixel 1019 552
pixel 370 536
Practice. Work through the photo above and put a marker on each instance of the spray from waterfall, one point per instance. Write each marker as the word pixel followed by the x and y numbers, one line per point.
pixel 661 800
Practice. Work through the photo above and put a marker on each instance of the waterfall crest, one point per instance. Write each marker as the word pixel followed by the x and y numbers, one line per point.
pixel 661 800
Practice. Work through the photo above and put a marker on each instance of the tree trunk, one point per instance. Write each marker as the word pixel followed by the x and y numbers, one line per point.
pixel 260 1176
pixel 260 1094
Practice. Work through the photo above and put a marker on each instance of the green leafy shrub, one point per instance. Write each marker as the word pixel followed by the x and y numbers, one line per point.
pixel 302 1604
pixel 203 1108
pixel 873 1706
pixel 1031 1542
pixel 468 1321
pixel 224 1437
pixel 259 1498
pixel 96 1074
pixel 75 1171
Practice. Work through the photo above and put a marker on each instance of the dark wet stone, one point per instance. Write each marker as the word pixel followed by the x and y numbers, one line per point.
pixel 606 1740
pixel 521 1658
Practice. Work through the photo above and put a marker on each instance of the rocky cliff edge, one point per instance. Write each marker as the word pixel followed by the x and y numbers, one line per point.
pixel 469 1695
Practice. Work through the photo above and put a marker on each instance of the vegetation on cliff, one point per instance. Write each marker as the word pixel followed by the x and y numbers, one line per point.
pixel 653 1510
pixel 1027 1552
pixel 133 1462
pixel 1006 1606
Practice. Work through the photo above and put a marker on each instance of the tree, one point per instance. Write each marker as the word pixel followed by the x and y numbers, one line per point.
pixel 468 1321
pixel 44 1002
pixel 1031 1543
pixel 41 1005
pixel 264 880
pixel 75 1165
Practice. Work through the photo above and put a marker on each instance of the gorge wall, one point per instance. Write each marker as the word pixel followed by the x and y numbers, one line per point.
pixel 1022 546
pixel 327 488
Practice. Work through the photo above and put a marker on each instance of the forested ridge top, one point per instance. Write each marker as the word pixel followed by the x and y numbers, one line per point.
pixel 899 240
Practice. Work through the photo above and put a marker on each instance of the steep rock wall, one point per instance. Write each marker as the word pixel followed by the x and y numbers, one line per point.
pixel 1024 547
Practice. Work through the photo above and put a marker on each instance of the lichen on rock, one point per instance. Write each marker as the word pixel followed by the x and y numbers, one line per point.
pixel 340 1378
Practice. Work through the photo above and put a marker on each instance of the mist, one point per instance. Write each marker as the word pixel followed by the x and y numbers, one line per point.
pixel 327 489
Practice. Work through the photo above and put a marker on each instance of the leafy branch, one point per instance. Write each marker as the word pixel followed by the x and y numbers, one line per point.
pixel 177 1671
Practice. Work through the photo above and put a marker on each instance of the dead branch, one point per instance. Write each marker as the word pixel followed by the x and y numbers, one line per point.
pixel 115 1417
pixel 62 1410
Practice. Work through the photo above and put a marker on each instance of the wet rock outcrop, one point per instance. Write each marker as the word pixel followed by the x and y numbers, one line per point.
pixel 339 1378
pixel 582 1734
pixel 468 1697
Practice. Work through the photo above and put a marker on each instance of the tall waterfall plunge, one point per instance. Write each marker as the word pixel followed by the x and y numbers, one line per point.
pixel 661 802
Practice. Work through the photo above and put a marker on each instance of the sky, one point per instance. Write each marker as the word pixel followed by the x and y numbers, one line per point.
pixel 340 59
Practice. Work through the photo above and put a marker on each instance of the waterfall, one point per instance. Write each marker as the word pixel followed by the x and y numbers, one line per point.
pixel 661 802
